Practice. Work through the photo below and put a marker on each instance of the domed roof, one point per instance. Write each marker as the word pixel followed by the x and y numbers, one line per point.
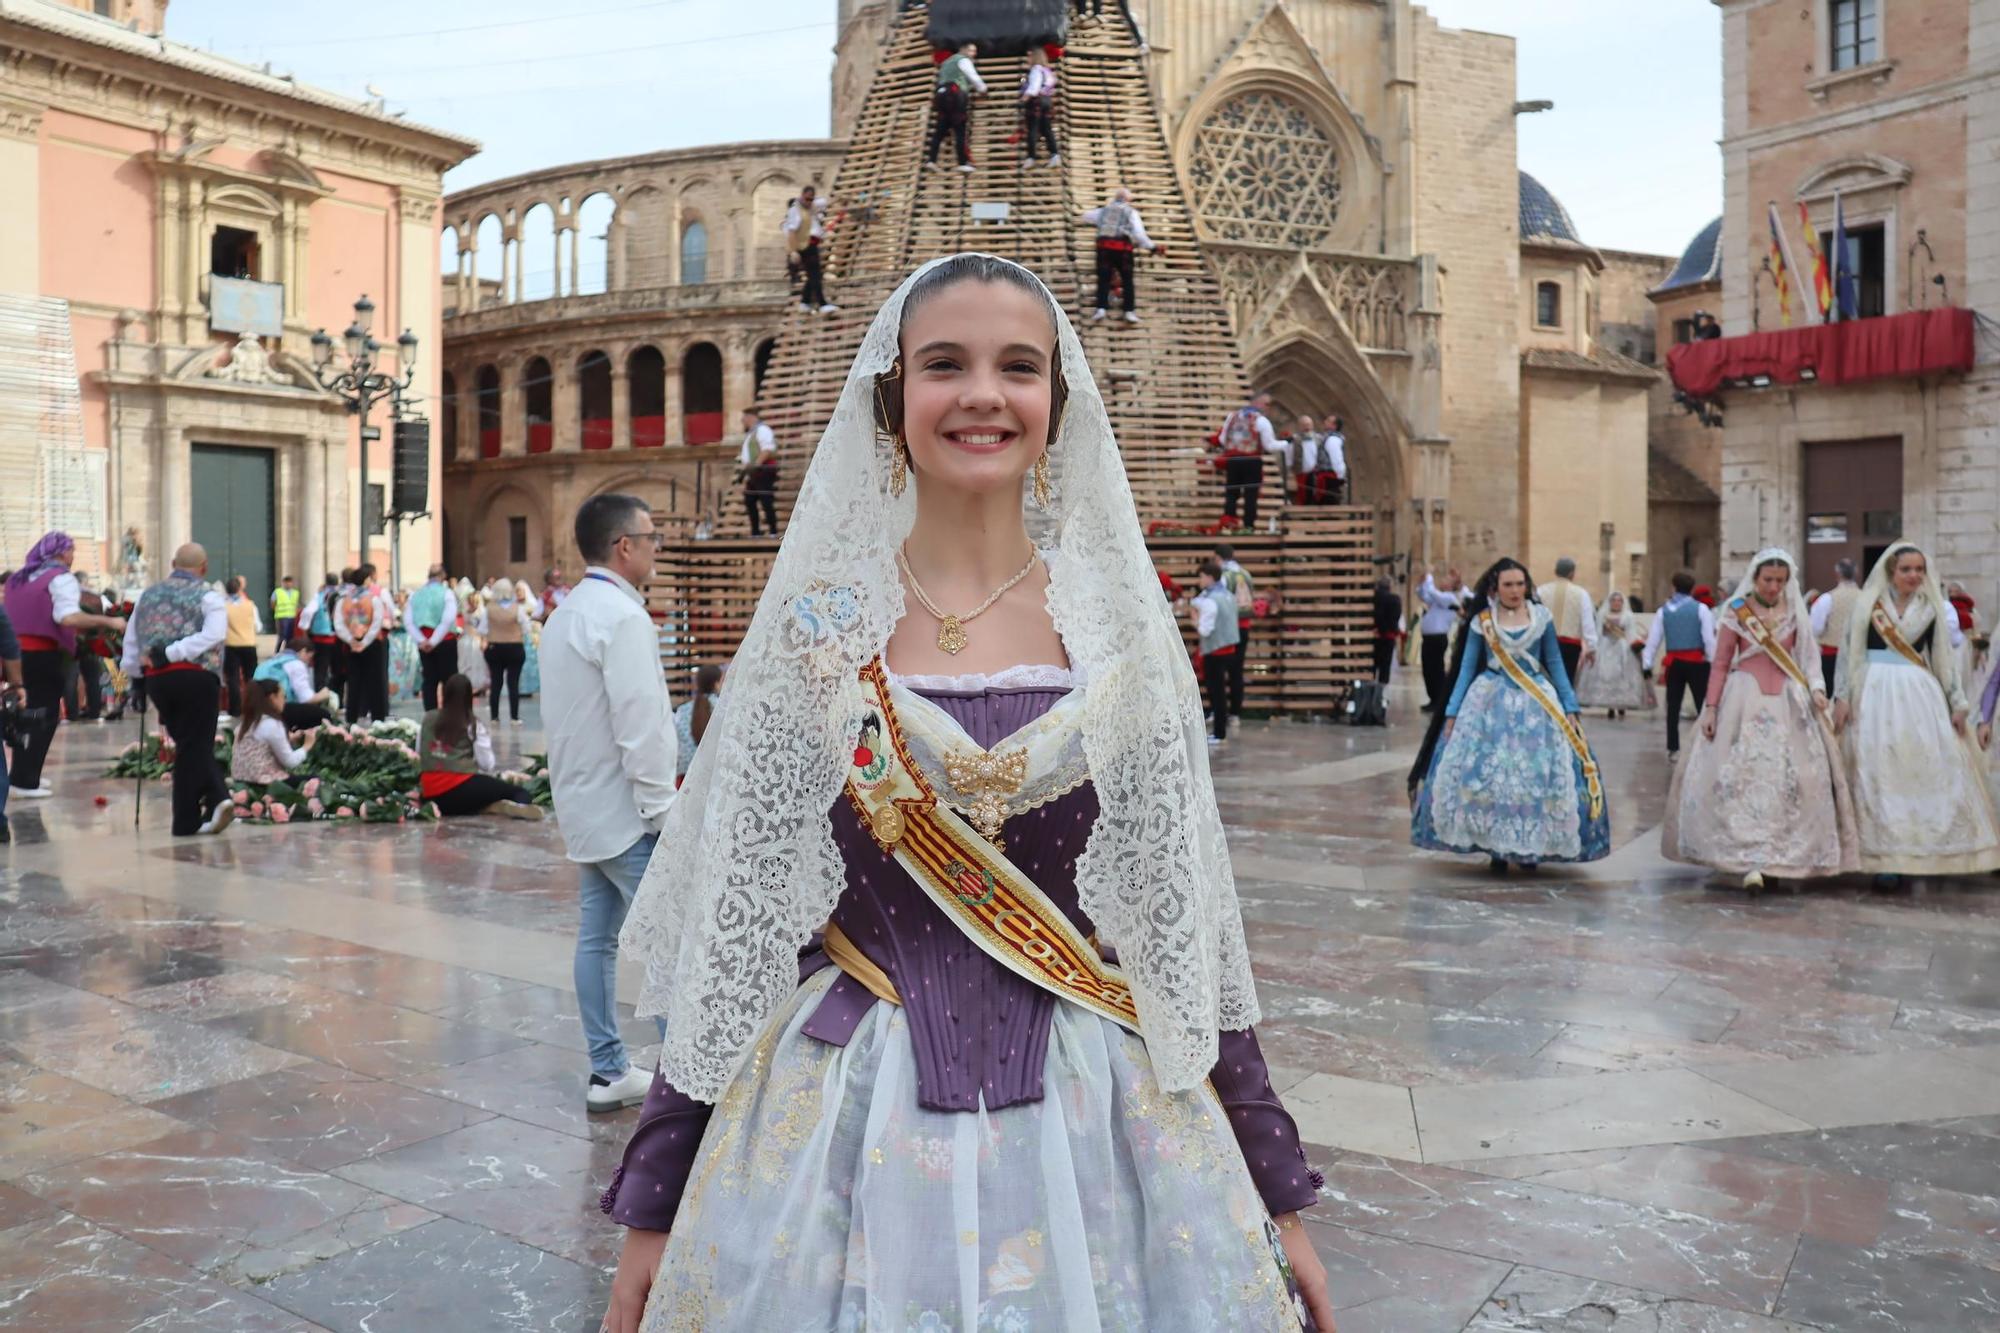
pixel 1700 262
pixel 1543 218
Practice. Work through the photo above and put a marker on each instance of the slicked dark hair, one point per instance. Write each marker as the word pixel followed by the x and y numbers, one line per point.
pixel 601 522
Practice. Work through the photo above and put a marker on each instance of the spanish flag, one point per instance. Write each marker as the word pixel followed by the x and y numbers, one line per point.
pixel 1781 269
pixel 1822 275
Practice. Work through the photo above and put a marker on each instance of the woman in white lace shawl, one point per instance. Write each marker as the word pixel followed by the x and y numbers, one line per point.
pixel 1611 679
pixel 1921 802
pixel 918 1135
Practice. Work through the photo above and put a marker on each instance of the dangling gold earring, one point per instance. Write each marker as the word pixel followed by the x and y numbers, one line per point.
pixel 899 470
pixel 1044 497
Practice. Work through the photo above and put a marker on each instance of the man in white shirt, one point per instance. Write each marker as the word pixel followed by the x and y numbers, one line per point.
pixel 1830 614
pixel 175 640
pixel 1246 436
pixel 1575 616
pixel 805 228
pixel 1441 603
pixel 611 761
pixel 757 465
pixel 957 81
pixel 1120 231
pixel 45 602
pixel 1685 629
pixel 1331 484
pixel 361 622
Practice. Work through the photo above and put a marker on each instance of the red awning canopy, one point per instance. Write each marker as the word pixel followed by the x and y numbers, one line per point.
pixel 1924 342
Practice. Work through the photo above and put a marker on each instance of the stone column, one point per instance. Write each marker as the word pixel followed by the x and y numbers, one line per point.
pixel 20 186
pixel 508 293
pixel 513 410
pixel 621 400
pixel 313 560
pixel 739 378
pixel 468 280
pixel 176 507
pixel 556 264
pixel 676 427
pixel 565 392
pixel 575 283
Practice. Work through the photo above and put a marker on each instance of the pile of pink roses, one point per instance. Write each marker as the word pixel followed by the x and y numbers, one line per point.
pixel 363 772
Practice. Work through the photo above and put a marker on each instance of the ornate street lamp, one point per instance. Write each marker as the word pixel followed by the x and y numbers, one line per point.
pixel 360 384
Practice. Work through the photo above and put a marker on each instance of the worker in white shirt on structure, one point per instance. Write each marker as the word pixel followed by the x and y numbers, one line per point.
pixel 957 81
pixel 1119 233
pixel 757 469
pixel 1038 109
pixel 805 228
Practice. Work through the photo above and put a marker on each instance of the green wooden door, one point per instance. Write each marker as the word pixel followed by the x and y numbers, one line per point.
pixel 233 492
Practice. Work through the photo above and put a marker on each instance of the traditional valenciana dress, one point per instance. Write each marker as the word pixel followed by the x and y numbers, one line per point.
pixel 1921 801
pixel 975 1106
pixel 1612 678
pixel 1513 780
pixel 1769 793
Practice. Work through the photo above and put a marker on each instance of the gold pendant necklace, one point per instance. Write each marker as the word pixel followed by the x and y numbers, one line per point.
pixel 951 638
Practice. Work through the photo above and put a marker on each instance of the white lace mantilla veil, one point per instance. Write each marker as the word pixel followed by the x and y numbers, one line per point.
pixel 746 869
pixel 1853 667
pixel 1805 647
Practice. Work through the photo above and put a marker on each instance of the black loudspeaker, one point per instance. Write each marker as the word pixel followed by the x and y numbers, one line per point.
pixel 1001 27
pixel 411 471
pixel 1367 705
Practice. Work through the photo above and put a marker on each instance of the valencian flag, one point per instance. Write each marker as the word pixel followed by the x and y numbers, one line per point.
pixel 1822 276
pixel 1781 269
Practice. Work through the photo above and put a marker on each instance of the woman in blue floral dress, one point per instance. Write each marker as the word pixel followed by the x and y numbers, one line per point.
pixel 1510 773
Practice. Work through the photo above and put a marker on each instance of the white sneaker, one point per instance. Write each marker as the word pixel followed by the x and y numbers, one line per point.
pixel 218 818
pixel 805 309
pixel 1131 317
pixel 1029 163
pixel 517 724
pixel 1055 159
pixel 1214 741
pixel 34 793
pixel 965 167
pixel 628 1089
pixel 828 308
pixel 930 164
pixel 1097 314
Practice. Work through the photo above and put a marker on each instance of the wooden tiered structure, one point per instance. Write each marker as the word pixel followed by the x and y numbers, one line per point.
pixel 1167 381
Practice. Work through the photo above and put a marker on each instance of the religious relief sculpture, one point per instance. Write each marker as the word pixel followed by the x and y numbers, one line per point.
pixel 249 363
pixel 132 562
pixel 1265 173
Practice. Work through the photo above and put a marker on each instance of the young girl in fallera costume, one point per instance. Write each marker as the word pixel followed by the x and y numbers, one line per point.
pixel 1921 800
pixel 1762 791
pixel 1612 679
pixel 940 1125
pixel 1508 771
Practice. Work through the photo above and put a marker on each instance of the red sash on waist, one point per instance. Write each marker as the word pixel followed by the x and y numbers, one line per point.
pixel 322 638
pixel 173 666
pixel 1574 643
pixel 1687 655
pixel 37 643
pixel 1113 243
pixel 1229 651
pixel 434 785
pixel 1828 650
pixel 428 630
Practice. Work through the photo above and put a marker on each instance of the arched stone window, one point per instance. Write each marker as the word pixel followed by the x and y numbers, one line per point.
pixel 1548 305
pixel 487 391
pixel 448 414
pixel 694 253
pixel 762 363
pixel 593 400
pixel 1265 172
pixel 646 389
pixel 701 394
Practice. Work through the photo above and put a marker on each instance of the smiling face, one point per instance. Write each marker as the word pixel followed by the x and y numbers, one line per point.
pixel 1511 588
pixel 1909 572
pixel 1771 581
pixel 979 361
pixel 1617 601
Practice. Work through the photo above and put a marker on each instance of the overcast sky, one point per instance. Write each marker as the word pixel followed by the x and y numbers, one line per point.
pixel 1630 146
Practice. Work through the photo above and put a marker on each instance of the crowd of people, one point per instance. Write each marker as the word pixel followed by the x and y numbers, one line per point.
pixel 1835 731
pixel 1313 458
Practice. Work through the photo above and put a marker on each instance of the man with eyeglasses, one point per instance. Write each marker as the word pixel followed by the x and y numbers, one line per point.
pixel 611 746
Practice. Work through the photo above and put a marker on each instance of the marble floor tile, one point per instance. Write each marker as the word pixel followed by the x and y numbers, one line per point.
pixel 1688 1020
pixel 1729 1187
pixel 1383 1285
pixel 1533 1301
pixel 537 1084
pixel 214 1203
pixel 547 1015
pixel 521 1180
pixel 320 1116
pixel 1867 1089
pixel 447 1275
pixel 64 1273
pixel 1584 1046
pixel 1847 1287
pixel 1360 1117
pixel 147 1057
pixel 18 1206
pixel 1730 1264
pixel 372 1038
pixel 1946 1156
pixel 1580 1113
pixel 222 995
pixel 46 1120
pixel 1942 1224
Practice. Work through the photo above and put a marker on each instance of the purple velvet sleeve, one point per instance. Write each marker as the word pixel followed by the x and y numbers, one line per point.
pixel 1264 1129
pixel 645 1191
pixel 1990 696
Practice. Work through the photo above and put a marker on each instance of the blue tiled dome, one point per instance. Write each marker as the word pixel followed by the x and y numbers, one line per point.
pixel 1543 218
pixel 1700 262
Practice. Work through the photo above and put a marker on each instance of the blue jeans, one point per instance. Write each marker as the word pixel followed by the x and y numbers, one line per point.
pixel 605 890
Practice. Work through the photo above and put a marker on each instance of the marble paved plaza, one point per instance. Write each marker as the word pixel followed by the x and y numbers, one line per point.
pixel 330 1077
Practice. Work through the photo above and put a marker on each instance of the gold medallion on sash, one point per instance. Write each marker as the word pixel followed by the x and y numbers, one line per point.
pixel 1760 633
pixel 1503 653
pixel 983 893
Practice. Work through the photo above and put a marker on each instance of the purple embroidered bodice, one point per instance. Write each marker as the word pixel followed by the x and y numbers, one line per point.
pixel 979 1033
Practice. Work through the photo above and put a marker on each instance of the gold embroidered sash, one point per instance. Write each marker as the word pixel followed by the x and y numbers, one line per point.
pixel 1885 625
pixel 1503 653
pixel 1758 631
pixel 983 893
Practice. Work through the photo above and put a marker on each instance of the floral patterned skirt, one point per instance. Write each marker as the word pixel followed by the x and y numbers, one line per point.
pixel 1508 784
pixel 825 1198
pixel 1767 794
pixel 1921 801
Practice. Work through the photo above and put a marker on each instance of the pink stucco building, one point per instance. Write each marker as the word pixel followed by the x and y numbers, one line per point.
pixel 189 221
